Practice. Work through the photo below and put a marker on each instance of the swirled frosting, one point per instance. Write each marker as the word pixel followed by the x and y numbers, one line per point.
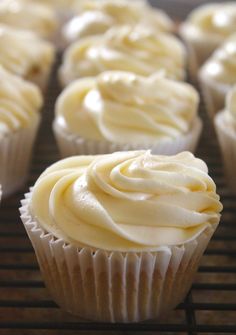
pixel 24 53
pixel 221 66
pixel 97 17
pixel 126 201
pixel 214 20
pixel 20 102
pixel 127 49
pixel 27 15
pixel 122 107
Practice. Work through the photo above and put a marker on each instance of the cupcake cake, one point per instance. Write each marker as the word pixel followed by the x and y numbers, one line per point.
pixel 225 124
pixel 133 49
pixel 96 17
pixel 25 54
pixel 205 29
pixel 20 102
pixel 119 237
pixel 32 16
pixel 119 111
pixel 218 75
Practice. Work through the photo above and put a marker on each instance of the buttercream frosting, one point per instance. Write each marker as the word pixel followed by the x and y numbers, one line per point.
pixel 29 15
pixel 20 102
pixel 122 107
pixel 221 66
pixel 125 48
pixel 97 17
pixel 23 52
pixel 126 201
pixel 214 20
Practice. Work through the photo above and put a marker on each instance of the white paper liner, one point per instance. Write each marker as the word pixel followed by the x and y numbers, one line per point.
pixel 70 145
pixel 198 51
pixel 15 157
pixel 227 140
pixel 114 286
pixel 213 93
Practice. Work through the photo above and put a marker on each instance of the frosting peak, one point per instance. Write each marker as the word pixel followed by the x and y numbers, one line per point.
pixel 126 49
pixel 122 107
pixel 126 201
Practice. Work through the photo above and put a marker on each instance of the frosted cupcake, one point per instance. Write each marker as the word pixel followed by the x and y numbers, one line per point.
pixel 123 111
pixel 218 75
pixel 206 28
pixel 29 15
pixel 127 49
pixel 20 103
pixel 26 55
pixel 96 17
pixel 225 123
pixel 119 237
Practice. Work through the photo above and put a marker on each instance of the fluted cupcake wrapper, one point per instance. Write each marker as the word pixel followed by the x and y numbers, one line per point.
pixel 213 94
pixel 15 157
pixel 227 141
pixel 70 144
pixel 114 286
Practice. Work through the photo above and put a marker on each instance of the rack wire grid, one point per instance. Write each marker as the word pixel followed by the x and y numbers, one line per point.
pixel 25 304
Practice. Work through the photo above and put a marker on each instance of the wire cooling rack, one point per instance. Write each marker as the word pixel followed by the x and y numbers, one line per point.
pixel 26 306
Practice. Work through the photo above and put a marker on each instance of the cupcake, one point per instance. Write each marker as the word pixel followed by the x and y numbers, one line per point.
pixel 218 75
pixel 119 111
pixel 32 16
pixel 205 29
pixel 119 237
pixel 20 102
pixel 225 124
pixel 133 49
pixel 96 17
pixel 25 54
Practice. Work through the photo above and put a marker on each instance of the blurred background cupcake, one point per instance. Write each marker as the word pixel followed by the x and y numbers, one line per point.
pixel 25 54
pixel 205 29
pixel 123 111
pixel 225 123
pixel 127 49
pixel 20 103
pixel 96 17
pixel 218 75
pixel 29 15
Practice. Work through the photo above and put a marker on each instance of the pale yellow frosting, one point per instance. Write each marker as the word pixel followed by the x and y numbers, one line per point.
pixel 122 107
pixel 127 49
pixel 20 103
pixel 29 15
pixel 214 20
pixel 126 201
pixel 221 66
pixel 23 52
pixel 97 17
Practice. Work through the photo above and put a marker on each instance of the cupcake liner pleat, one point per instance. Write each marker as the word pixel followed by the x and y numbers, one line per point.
pixel 213 95
pixel 15 158
pixel 114 286
pixel 227 140
pixel 70 145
